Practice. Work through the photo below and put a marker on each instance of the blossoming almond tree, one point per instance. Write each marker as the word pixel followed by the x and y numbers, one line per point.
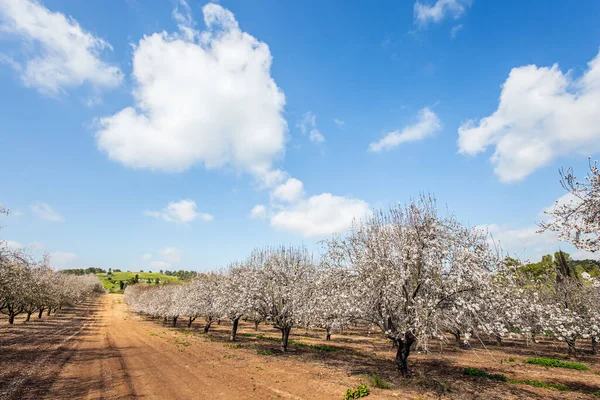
pixel 412 267
pixel 285 277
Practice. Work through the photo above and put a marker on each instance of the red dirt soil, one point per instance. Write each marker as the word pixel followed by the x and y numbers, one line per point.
pixel 101 350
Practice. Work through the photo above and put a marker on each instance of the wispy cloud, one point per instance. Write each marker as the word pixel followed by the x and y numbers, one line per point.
pixel 45 212
pixel 428 123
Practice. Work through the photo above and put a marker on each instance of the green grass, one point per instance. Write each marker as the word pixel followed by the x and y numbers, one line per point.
pixel 295 343
pixel 113 285
pixel 261 352
pixel 262 337
pixel 500 377
pixel 315 346
pixel 551 362
pixel 478 372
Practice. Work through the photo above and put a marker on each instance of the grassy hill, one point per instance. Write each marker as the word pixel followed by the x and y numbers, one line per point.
pixel 111 282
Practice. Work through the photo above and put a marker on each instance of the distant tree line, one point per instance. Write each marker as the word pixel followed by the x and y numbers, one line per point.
pixel 549 265
pixel 181 274
pixel 83 271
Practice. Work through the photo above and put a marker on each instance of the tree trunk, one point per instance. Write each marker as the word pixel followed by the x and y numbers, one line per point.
pixel 41 312
pixel 165 320
pixel 207 326
pixel 256 325
pixel 533 338
pixel 175 321
pixel 328 335
pixel 49 311
pixel 219 321
pixel 571 344
pixel 28 316
pixel 499 340
pixel 402 354
pixel 594 345
pixel 456 334
pixel 234 329
pixel 11 317
pixel 285 336
pixel 190 322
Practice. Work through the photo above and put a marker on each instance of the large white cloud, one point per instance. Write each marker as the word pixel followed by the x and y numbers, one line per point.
pixel 428 124
pixel 200 98
pixel 68 55
pixel 426 13
pixel 319 216
pixel 180 212
pixel 543 114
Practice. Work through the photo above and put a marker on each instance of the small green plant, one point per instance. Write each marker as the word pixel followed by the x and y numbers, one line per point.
pixel 478 372
pixel 261 352
pixel 234 345
pixel 152 334
pixel 511 359
pixel 379 382
pixel 357 393
pixel 551 362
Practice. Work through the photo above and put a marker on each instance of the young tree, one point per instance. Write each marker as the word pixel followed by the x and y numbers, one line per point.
pixel 413 268
pixel 284 283
pixel 237 297
pixel 15 282
pixel 332 305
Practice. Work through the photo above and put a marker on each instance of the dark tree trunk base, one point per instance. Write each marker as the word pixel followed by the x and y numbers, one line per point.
pixel 285 336
pixel 404 347
pixel 234 329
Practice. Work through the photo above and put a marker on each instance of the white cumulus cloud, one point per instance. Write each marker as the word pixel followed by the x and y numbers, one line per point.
pixel 288 192
pixel 320 215
pixel 426 13
pixel 428 124
pixel 203 98
pixel 68 55
pixel 180 212
pixel 543 114
pixel 45 212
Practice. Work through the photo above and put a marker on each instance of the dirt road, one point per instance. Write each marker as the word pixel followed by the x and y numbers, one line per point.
pixel 101 350
pixel 104 351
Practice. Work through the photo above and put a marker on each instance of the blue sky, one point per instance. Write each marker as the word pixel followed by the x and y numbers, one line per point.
pixel 172 135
